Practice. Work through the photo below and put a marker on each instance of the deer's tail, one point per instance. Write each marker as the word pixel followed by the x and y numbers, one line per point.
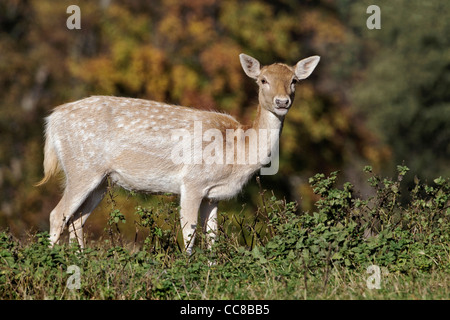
pixel 51 162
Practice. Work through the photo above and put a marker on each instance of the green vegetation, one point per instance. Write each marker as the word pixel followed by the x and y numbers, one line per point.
pixel 278 253
pixel 378 97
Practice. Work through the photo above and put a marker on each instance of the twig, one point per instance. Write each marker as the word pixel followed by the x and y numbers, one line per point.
pixel 327 269
pixel 266 215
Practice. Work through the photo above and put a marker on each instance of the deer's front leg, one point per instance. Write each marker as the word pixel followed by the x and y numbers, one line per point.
pixel 208 216
pixel 190 203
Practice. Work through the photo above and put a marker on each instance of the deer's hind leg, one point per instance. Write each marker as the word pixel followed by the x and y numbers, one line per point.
pixel 75 194
pixel 80 216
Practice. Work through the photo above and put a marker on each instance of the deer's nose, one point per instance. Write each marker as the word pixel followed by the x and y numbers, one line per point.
pixel 282 102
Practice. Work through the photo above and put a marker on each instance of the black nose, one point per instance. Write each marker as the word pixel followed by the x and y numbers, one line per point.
pixel 282 103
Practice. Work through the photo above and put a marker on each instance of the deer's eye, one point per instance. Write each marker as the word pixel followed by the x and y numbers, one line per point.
pixel 264 81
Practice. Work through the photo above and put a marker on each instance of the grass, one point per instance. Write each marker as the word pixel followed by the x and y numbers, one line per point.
pixel 279 253
pixel 113 273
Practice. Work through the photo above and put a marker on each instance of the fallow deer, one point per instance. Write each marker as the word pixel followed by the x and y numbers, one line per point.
pixel 132 142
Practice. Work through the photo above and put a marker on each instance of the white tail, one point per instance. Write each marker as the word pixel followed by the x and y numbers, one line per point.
pixel 149 146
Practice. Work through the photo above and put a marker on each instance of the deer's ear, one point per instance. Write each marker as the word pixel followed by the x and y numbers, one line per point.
pixel 250 65
pixel 305 67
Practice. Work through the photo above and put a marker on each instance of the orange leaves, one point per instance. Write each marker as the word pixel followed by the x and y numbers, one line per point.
pixel 325 28
pixel 220 60
pixel 141 70
pixel 98 73
pixel 250 22
pixel 148 72
pixel 185 82
pixel 260 27
pixel 171 28
pixel 225 77
pixel 185 28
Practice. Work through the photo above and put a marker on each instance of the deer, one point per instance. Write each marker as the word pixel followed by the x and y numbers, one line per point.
pixel 130 141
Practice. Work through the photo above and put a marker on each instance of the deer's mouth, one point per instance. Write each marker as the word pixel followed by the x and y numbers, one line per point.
pixel 281 110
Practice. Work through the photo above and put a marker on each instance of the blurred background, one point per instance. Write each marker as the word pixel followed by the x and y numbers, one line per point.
pixel 378 97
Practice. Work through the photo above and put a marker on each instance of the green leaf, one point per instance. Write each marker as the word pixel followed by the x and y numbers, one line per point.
pixel 337 256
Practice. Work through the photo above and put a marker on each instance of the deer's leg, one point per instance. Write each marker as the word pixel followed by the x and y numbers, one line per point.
pixel 208 216
pixel 190 203
pixel 79 218
pixel 74 196
pixel 57 220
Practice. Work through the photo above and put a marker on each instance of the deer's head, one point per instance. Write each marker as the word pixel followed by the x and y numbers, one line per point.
pixel 277 81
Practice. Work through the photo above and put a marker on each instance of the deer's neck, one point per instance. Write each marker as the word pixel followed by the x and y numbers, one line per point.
pixel 268 127
pixel 267 120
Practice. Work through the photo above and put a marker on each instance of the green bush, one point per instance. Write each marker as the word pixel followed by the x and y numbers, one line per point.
pixel 350 231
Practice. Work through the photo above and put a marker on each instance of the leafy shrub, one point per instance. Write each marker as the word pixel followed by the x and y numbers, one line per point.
pixel 350 231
